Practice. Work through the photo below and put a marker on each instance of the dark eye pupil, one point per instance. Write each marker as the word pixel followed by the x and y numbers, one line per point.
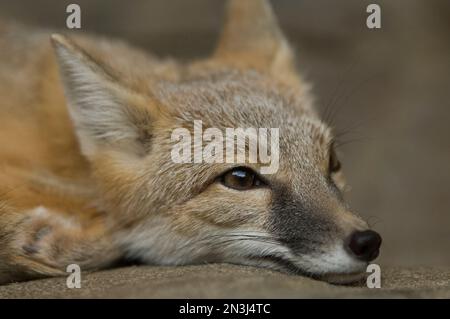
pixel 240 179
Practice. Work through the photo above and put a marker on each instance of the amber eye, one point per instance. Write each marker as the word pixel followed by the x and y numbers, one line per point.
pixel 241 178
pixel 334 164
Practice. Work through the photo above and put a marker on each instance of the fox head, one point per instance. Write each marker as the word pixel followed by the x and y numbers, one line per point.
pixel 125 106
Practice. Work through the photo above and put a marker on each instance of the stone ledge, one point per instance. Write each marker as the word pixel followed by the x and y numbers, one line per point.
pixel 229 281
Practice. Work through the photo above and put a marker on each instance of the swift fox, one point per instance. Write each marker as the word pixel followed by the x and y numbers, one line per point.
pixel 86 174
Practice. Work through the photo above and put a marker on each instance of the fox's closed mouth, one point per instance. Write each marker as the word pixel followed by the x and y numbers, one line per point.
pixel 344 279
pixel 340 278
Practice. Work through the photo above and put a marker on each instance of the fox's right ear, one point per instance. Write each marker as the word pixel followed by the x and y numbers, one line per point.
pixel 105 113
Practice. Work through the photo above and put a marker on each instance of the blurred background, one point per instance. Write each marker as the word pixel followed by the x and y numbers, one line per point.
pixel 389 91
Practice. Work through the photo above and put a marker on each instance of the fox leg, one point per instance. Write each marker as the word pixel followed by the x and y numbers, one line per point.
pixel 43 242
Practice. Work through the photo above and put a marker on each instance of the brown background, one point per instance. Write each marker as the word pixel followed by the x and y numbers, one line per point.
pixel 389 88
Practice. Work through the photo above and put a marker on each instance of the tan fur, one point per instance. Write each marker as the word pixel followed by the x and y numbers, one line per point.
pixel 106 181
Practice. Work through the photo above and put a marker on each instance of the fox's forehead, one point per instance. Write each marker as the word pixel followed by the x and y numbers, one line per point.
pixel 234 98
pixel 247 99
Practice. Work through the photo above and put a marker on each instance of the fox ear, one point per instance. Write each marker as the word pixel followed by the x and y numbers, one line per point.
pixel 105 113
pixel 251 37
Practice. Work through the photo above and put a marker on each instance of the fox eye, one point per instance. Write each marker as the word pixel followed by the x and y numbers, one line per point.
pixel 334 164
pixel 241 178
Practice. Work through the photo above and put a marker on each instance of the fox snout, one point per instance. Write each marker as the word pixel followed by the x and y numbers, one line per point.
pixel 337 261
pixel 323 237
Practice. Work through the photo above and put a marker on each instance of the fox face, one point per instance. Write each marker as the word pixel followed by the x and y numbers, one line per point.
pixel 163 212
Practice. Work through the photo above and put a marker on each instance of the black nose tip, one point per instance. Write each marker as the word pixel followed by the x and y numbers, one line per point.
pixel 365 245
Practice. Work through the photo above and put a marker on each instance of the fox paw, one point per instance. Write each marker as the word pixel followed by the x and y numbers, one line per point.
pixel 47 237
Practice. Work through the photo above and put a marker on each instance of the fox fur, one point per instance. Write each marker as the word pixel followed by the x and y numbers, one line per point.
pixel 85 170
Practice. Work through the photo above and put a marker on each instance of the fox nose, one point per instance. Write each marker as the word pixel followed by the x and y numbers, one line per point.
pixel 365 245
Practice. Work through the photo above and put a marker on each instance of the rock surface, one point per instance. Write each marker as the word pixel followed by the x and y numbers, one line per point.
pixel 229 281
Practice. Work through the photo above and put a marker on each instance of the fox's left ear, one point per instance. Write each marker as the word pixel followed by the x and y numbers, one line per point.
pixel 105 113
pixel 252 38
